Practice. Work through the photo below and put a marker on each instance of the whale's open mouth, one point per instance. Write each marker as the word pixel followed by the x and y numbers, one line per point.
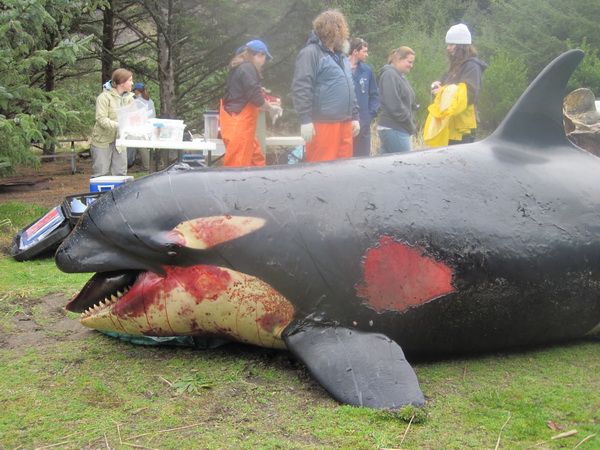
pixel 199 300
pixel 102 290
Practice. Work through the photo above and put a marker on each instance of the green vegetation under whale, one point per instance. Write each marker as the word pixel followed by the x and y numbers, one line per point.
pixel 349 263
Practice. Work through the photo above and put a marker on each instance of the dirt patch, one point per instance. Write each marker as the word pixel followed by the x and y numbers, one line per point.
pixel 39 322
pixel 62 182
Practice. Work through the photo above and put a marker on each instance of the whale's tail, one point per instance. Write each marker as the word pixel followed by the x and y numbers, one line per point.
pixel 536 119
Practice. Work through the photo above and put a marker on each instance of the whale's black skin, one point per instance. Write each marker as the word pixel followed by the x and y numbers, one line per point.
pixel 514 220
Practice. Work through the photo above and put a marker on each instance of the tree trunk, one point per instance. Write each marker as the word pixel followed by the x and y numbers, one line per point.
pixel 49 84
pixel 108 42
pixel 166 73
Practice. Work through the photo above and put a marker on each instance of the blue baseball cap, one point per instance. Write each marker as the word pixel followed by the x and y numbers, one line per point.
pixel 139 86
pixel 259 46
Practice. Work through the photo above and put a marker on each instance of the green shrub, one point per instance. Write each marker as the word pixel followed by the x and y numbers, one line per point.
pixel 587 74
pixel 504 81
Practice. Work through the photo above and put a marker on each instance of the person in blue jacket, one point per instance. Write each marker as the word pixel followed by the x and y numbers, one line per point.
pixel 367 94
pixel 323 90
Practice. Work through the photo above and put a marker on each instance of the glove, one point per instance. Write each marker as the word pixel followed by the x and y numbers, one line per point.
pixel 307 131
pixel 355 128
pixel 276 112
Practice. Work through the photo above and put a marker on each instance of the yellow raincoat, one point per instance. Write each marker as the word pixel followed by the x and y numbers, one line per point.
pixel 449 116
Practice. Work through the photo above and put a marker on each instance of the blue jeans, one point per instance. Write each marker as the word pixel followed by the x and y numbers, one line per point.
pixel 362 142
pixel 393 141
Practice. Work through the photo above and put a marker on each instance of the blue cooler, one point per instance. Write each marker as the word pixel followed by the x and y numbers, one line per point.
pixel 194 160
pixel 106 183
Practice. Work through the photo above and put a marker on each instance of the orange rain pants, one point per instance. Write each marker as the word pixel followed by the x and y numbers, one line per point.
pixel 331 141
pixel 238 131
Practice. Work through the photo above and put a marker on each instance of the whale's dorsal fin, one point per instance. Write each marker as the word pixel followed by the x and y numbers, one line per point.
pixel 537 117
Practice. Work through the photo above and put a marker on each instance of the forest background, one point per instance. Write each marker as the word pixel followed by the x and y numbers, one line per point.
pixel 55 54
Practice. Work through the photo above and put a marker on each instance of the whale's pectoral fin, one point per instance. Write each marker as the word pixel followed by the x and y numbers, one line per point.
pixel 357 368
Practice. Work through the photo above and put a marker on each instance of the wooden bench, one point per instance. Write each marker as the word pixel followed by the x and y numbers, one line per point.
pixel 72 154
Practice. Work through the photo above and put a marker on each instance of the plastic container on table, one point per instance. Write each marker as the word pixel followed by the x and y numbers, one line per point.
pixel 211 124
pixel 133 121
pixel 167 129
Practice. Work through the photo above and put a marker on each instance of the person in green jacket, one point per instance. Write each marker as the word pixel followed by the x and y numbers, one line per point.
pixel 107 159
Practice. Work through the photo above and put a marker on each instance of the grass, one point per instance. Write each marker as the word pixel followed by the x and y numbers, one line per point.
pixel 100 392
pixel 34 279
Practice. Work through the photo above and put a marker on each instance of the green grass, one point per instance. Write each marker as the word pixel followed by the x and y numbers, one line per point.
pixel 100 392
pixel 35 278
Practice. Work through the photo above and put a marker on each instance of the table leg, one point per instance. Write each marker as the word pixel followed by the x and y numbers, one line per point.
pixel 151 160
pixel 73 159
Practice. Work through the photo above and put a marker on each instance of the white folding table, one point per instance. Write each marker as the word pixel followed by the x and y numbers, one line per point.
pixel 209 148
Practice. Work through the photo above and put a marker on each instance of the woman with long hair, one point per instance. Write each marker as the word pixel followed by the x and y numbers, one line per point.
pixel 240 106
pixel 467 69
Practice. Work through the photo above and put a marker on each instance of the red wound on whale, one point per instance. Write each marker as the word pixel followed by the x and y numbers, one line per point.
pixel 398 276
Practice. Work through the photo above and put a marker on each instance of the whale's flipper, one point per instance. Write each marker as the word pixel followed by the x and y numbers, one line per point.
pixel 536 118
pixel 357 368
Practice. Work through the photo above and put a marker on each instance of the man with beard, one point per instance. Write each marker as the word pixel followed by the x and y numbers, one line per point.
pixel 323 90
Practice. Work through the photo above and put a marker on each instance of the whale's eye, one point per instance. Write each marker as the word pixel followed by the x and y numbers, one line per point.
pixel 173 250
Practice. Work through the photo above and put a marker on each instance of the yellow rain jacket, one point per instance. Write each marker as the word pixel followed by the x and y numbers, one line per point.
pixel 449 116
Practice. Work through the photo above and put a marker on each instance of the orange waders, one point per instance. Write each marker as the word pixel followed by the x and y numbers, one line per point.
pixel 242 148
pixel 331 141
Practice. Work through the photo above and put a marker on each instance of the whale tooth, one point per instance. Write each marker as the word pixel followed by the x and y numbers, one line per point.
pixel 113 299
pixel 120 294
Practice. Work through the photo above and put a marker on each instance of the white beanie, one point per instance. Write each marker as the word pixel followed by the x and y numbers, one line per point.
pixel 458 34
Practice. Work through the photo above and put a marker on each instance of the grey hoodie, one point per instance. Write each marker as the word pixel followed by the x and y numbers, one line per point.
pixel 397 101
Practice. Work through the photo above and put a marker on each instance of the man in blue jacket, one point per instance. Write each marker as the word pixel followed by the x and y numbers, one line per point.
pixel 367 94
pixel 323 90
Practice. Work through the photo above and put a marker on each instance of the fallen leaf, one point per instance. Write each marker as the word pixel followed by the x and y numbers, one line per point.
pixel 552 426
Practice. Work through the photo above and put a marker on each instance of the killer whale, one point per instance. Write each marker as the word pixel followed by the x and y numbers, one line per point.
pixel 351 263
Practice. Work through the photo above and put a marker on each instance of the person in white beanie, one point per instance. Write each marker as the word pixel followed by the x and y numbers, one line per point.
pixel 467 68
